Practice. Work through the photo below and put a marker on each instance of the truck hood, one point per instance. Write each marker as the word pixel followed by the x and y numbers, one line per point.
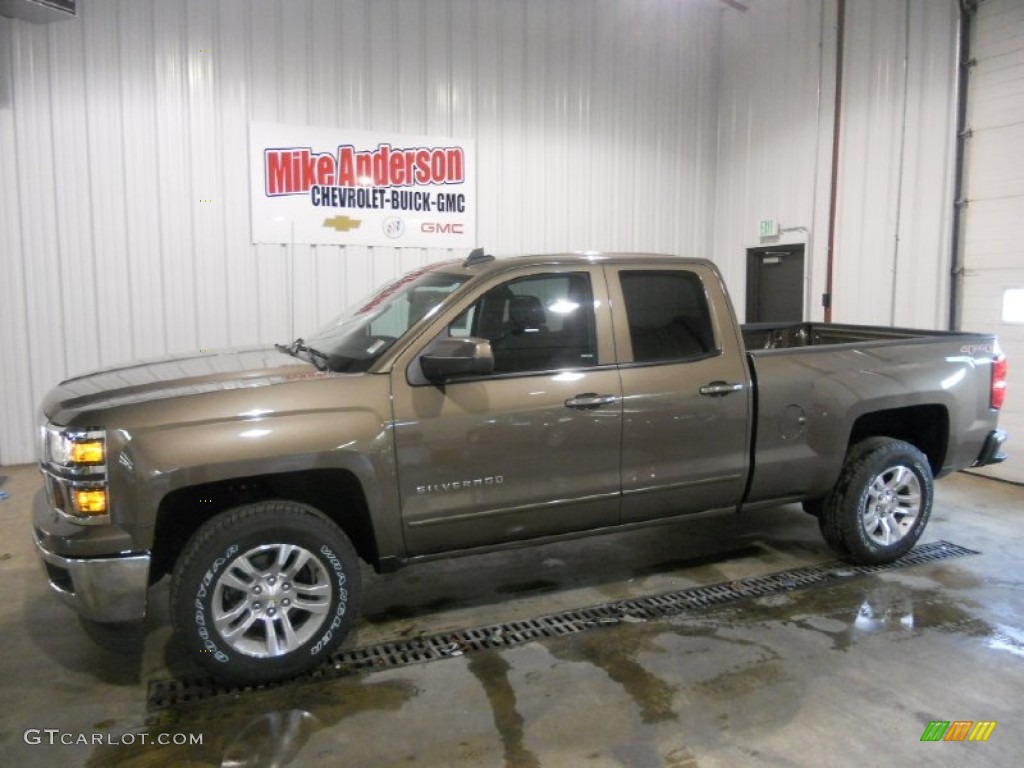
pixel 174 376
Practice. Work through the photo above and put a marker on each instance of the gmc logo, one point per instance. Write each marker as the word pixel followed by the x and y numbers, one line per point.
pixel 440 228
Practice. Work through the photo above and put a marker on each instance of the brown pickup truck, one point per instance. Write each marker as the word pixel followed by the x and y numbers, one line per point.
pixel 479 404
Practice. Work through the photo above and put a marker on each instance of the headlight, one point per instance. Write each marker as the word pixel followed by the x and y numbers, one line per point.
pixel 74 464
pixel 71 448
pixel 88 451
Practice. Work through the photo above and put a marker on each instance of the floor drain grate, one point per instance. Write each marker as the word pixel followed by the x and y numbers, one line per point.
pixel 168 693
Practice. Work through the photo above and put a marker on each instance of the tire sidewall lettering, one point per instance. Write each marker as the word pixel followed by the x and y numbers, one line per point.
pixel 206 637
pixel 341 605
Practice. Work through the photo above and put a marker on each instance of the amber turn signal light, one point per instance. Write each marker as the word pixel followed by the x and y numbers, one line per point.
pixel 87 452
pixel 90 501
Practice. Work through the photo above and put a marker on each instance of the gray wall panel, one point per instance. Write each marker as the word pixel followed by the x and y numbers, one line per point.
pixel 600 124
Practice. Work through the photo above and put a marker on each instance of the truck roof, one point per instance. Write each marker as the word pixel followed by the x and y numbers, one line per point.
pixel 477 265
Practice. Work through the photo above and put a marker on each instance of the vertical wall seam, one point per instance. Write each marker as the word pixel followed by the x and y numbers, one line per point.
pixel 958 239
pixel 220 188
pixel 94 246
pixel 830 266
pixel 161 250
pixel 130 299
pixel 313 251
pixel 899 164
pixel 717 67
pixel 257 250
pixel 189 94
pixel 19 170
pixel 810 256
pixel 62 321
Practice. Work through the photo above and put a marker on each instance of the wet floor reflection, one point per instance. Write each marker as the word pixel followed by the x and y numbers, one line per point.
pixel 265 728
pixel 491 669
pixel 899 612
pixel 271 740
pixel 640 692
pixel 619 658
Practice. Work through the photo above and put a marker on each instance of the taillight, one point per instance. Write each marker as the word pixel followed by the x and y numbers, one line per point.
pixel 998 382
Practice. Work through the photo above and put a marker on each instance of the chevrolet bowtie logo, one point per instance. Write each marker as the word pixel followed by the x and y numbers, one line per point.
pixel 342 223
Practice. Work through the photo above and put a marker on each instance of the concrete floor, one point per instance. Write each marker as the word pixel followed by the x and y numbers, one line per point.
pixel 847 674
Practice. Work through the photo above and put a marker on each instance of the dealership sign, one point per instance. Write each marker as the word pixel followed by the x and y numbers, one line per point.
pixel 339 187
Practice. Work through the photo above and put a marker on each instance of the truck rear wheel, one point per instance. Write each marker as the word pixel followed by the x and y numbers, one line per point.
pixel 264 592
pixel 881 503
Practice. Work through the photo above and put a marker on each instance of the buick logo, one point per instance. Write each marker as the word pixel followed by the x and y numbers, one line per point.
pixel 394 227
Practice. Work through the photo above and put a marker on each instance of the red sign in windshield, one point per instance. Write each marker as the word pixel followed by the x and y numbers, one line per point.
pixel 391 288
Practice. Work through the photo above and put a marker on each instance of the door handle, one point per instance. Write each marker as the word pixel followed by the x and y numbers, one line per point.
pixel 589 400
pixel 720 389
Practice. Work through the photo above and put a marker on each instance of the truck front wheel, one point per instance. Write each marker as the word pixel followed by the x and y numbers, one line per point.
pixel 264 592
pixel 881 503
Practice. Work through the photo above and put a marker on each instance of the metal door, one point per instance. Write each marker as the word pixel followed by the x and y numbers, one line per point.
pixel 685 389
pixel 530 450
pixel 775 284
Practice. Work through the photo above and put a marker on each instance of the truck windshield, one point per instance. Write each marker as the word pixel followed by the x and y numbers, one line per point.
pixel 352 342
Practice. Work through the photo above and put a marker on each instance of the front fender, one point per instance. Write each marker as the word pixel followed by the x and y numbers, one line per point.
pixel 155 462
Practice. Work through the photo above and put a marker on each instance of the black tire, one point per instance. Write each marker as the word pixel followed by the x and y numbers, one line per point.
pixel 831 533
pixel 881 503
pixel 290 615
pixel 828 524
pixel 814 507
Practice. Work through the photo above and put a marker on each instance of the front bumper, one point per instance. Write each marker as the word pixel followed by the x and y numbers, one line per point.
pixel 990 451
pixel 104 588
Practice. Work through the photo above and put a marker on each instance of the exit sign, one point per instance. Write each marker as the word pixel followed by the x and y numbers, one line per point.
pixel 768 228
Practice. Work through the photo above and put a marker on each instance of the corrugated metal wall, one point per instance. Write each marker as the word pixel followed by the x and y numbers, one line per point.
pixel 595 126
pixel 775 136
pixel 897 146
pixel 669 126
pixel 897 128
pixel 993 226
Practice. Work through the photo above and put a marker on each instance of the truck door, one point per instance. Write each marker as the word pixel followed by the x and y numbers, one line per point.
pixel 530 450
pixel 685 388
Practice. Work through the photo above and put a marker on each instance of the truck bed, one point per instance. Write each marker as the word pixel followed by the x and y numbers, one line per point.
pixel 814 382
pixel 762 336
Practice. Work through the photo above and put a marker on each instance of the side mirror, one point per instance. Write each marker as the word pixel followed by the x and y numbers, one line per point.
pixel 457 357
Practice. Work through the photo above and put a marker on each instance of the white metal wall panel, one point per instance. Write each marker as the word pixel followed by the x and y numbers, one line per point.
pixel 608 125
pixel 775 137
pixel 895 190
pixel 869 160
pixel 16 377
pixel 993 247
pixel 123 157
pixel 895 196
pixel 922 252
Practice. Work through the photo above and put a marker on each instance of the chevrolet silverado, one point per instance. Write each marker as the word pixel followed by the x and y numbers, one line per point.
pixel 477 404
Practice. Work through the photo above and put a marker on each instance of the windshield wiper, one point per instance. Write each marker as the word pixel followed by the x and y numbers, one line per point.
pixel 315 356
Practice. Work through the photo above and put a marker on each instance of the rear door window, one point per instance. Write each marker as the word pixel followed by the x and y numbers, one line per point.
pixel 668 316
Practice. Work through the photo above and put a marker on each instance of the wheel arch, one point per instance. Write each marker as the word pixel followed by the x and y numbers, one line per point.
pixel 925 426
pixel 335 492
